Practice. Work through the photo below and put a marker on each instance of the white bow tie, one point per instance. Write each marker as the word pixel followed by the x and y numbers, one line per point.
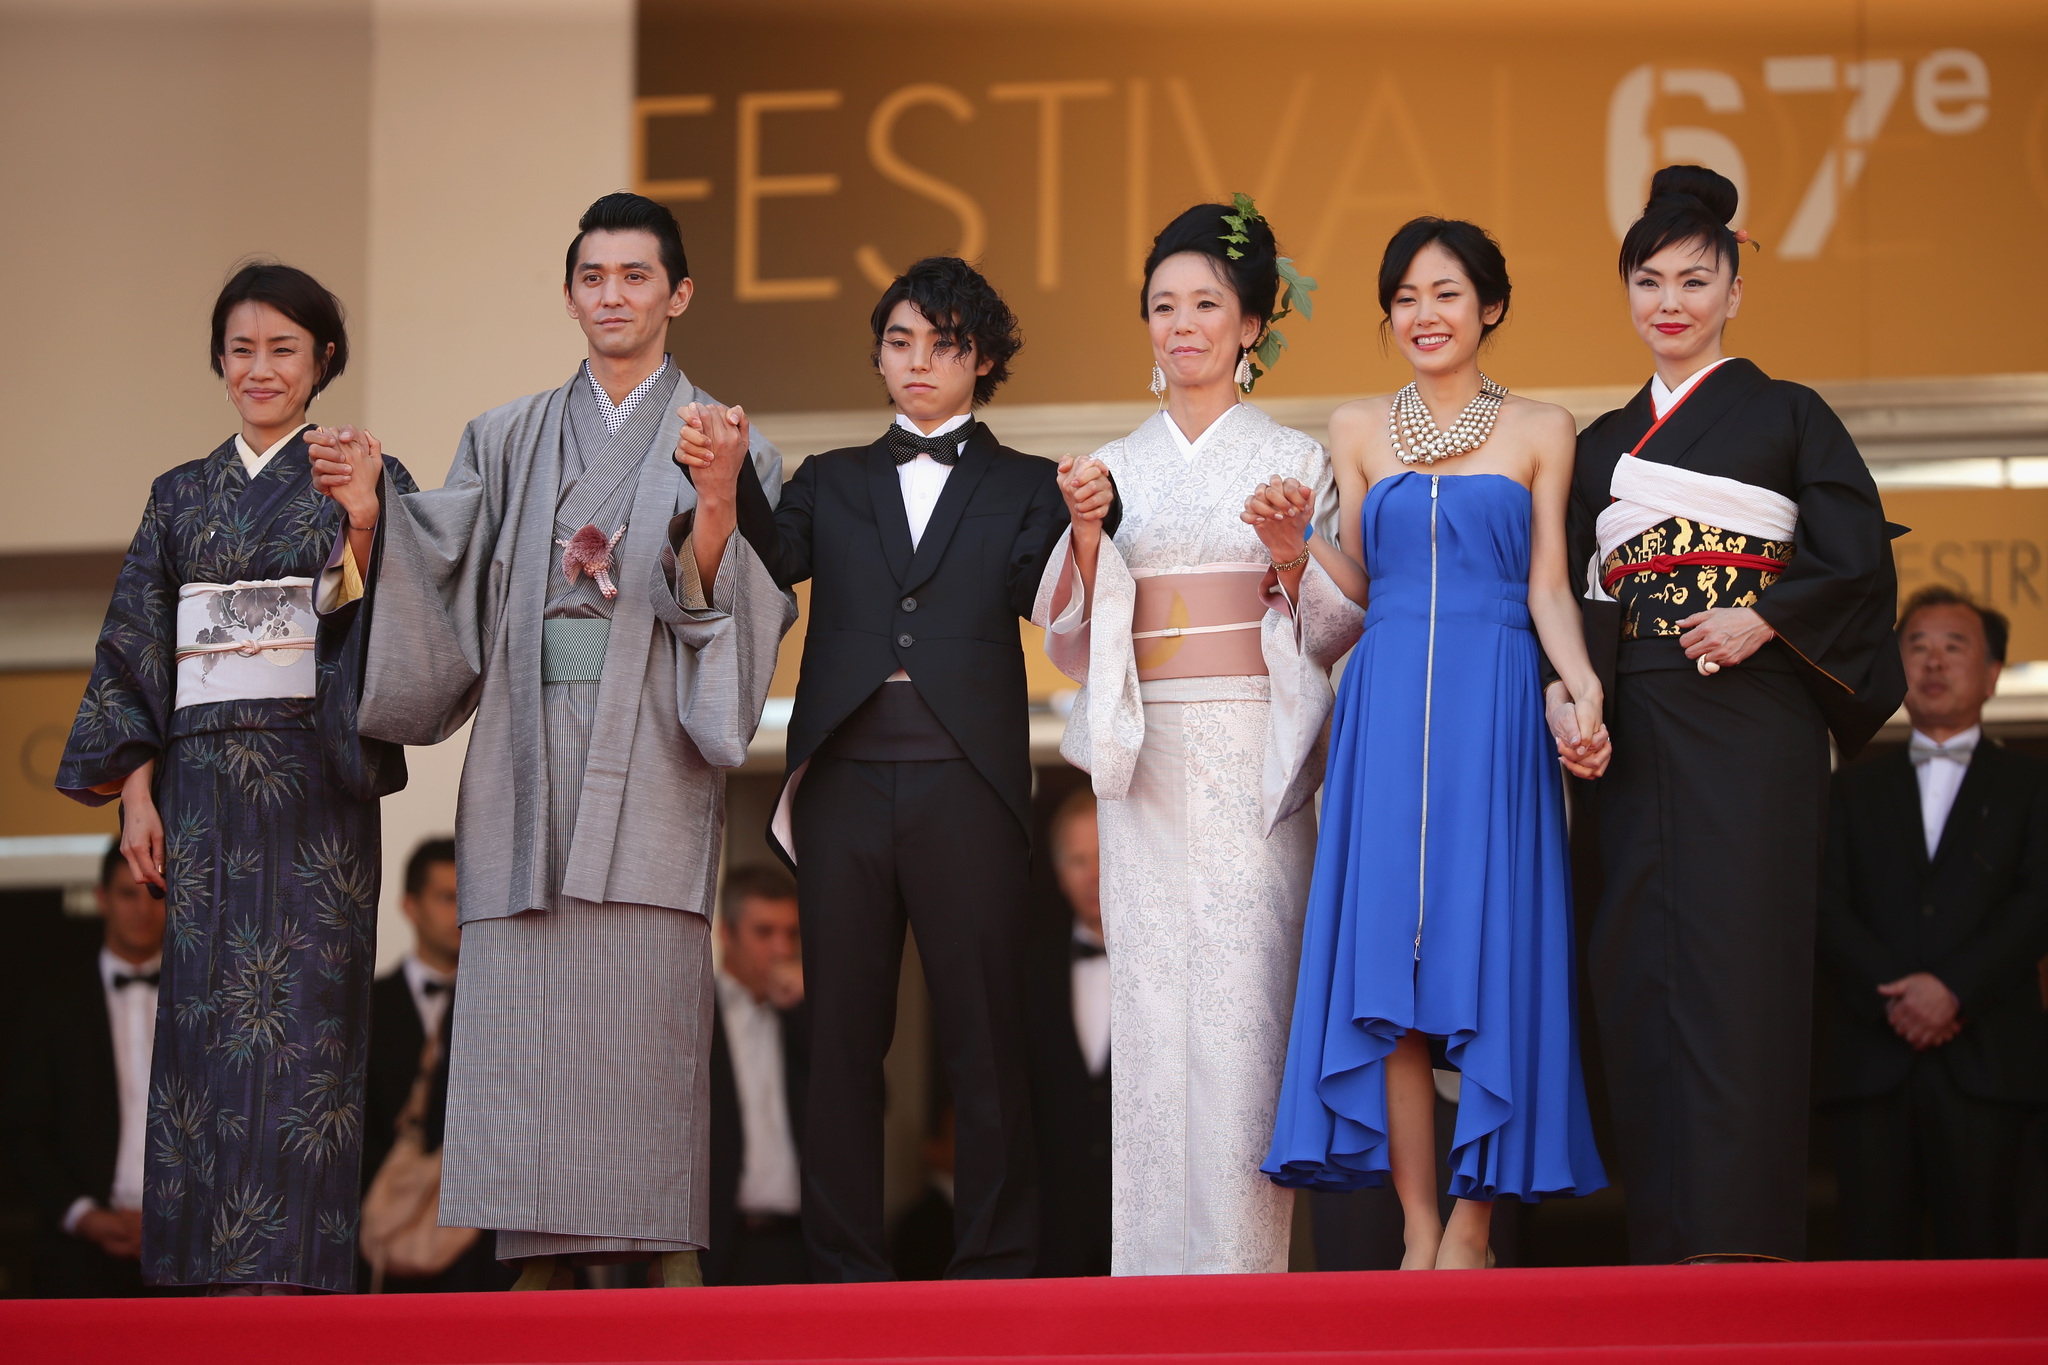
pixel 1922 752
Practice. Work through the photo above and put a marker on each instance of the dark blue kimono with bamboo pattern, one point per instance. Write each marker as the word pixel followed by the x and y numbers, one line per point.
pixel 273 863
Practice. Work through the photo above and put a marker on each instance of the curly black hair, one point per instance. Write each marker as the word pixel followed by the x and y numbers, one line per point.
pixel 964 307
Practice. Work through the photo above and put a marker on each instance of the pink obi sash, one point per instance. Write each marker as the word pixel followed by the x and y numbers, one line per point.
pixel 1199 622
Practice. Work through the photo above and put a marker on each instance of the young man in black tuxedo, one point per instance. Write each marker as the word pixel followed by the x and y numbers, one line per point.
pixel 908 792
pixel 77 1099
pixel 1933 915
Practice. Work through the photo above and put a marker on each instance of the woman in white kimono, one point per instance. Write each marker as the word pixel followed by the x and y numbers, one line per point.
pixel 1204 672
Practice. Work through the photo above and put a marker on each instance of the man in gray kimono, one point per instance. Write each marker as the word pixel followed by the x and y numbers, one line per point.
pixel 600 611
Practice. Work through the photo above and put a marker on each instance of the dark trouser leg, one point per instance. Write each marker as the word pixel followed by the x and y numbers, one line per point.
pixel 1702 957
pixel 1874 1166
pixel 963 863
pixel 1970 1164
pixel 844 821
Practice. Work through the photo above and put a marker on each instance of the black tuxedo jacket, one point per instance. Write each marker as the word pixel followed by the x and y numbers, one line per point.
pixel 1975 915
pixel 396 1040
pixel 1070 1110
pixel 728 1132
pixel 945 613
pixel 63 1113
pixel 1834 605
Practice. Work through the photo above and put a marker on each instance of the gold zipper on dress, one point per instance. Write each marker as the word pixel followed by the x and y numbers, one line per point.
pixel 1428 696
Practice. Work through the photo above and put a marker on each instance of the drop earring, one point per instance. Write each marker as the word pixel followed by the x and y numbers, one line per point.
pixel 1244 371
pixel 1159 384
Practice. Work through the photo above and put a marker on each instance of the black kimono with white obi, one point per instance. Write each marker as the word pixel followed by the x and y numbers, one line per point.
pixel 1711 818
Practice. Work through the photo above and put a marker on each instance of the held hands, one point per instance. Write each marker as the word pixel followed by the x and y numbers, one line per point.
pixel 1086 488
pixel 1571 721
pixel 348 464
pixel 1922 1010
pixel 1720 636
pixel 712 447
pixel 1279 511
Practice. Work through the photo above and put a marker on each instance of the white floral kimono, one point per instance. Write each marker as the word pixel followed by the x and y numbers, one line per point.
pixel 1208 836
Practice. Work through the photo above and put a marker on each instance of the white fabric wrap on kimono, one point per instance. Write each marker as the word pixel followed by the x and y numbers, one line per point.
pixel 1647 493
pixel 245 641
pixel 1300 641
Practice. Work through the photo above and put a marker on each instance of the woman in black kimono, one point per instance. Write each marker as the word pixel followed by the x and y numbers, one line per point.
pixel 1738 594
pixel 248 806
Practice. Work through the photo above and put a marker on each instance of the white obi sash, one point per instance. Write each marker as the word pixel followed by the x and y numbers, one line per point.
pixel 1647 494
pixel 248 641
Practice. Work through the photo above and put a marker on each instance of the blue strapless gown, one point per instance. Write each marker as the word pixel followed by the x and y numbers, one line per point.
pixel 1442 895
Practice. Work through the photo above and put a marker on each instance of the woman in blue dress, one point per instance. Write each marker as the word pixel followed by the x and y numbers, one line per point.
pixel 1439 921
pixel 248 805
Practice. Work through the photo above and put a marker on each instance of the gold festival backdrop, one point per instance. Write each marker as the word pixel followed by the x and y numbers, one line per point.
pixel 1893 160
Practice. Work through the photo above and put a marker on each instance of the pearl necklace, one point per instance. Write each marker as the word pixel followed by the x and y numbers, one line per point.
pixel 1414 433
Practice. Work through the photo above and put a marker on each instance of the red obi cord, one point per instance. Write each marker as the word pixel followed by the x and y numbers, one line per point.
pixel 1717 559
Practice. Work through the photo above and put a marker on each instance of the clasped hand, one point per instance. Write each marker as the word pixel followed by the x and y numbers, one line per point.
pixel 1922 1010
pixel 1279 510
pixel 1571 721
pixel 348 464
pixel 1086 488
pixel 712 447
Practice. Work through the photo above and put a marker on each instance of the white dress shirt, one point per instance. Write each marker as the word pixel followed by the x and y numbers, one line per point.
pixel 1664 400
pixel 254 464
pixel 1091 1003
pixel 770 1182
pixel 922 480
pixel 131 1018
pixel 1940 779
pixel 431 1005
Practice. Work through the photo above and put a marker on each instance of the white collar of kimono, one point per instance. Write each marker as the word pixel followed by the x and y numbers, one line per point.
pixel 1664 399
pixel 1190 449
pixel 613 414
pixel 949 424
pixel 255 464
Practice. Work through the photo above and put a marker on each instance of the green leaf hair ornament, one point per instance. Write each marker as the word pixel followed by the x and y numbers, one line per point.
pixel 1294 292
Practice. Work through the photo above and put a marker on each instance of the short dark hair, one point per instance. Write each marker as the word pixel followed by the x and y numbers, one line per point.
pixel 298 296
pixel 1254 276
pixel 422 861
pixel 755 881
pixel 112 861
pixel 1997 630
pixel 1687 204
pixel 956 299
pixel 624 211
pixel 1473 245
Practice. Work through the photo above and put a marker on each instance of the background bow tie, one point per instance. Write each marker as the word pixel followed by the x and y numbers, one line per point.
pixel 1081 951
pixel 1923 753
pixel 431 987
pixel 123 980
pixel 906 445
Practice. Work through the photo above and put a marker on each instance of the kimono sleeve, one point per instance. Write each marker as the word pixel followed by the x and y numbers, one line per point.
pixel 413 644
pixel 124 718
pixel 366 768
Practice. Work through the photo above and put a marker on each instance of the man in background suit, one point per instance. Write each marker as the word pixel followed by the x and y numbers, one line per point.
pixel 78 1099
pixel 407 1007
pixel 1933 913
pixel 760 1050
pixel 1067 985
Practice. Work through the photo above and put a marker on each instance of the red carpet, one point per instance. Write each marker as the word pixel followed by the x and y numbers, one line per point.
pixel 1920 1311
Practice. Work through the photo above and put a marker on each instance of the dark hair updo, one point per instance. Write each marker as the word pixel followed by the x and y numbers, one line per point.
pixel 624 211
pixel 1477 253
pixel 299 297
pixel 1687 204
pixel 1254 276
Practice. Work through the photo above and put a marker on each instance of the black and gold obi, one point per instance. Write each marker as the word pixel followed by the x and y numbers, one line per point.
pixel 1686 567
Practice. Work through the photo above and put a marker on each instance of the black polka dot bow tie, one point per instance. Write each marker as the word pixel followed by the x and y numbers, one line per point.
pixel 906 445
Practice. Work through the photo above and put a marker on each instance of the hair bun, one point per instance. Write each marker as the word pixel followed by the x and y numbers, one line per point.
pixel 1716 192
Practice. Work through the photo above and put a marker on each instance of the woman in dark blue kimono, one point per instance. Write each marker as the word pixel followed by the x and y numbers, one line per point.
pixel 247 804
